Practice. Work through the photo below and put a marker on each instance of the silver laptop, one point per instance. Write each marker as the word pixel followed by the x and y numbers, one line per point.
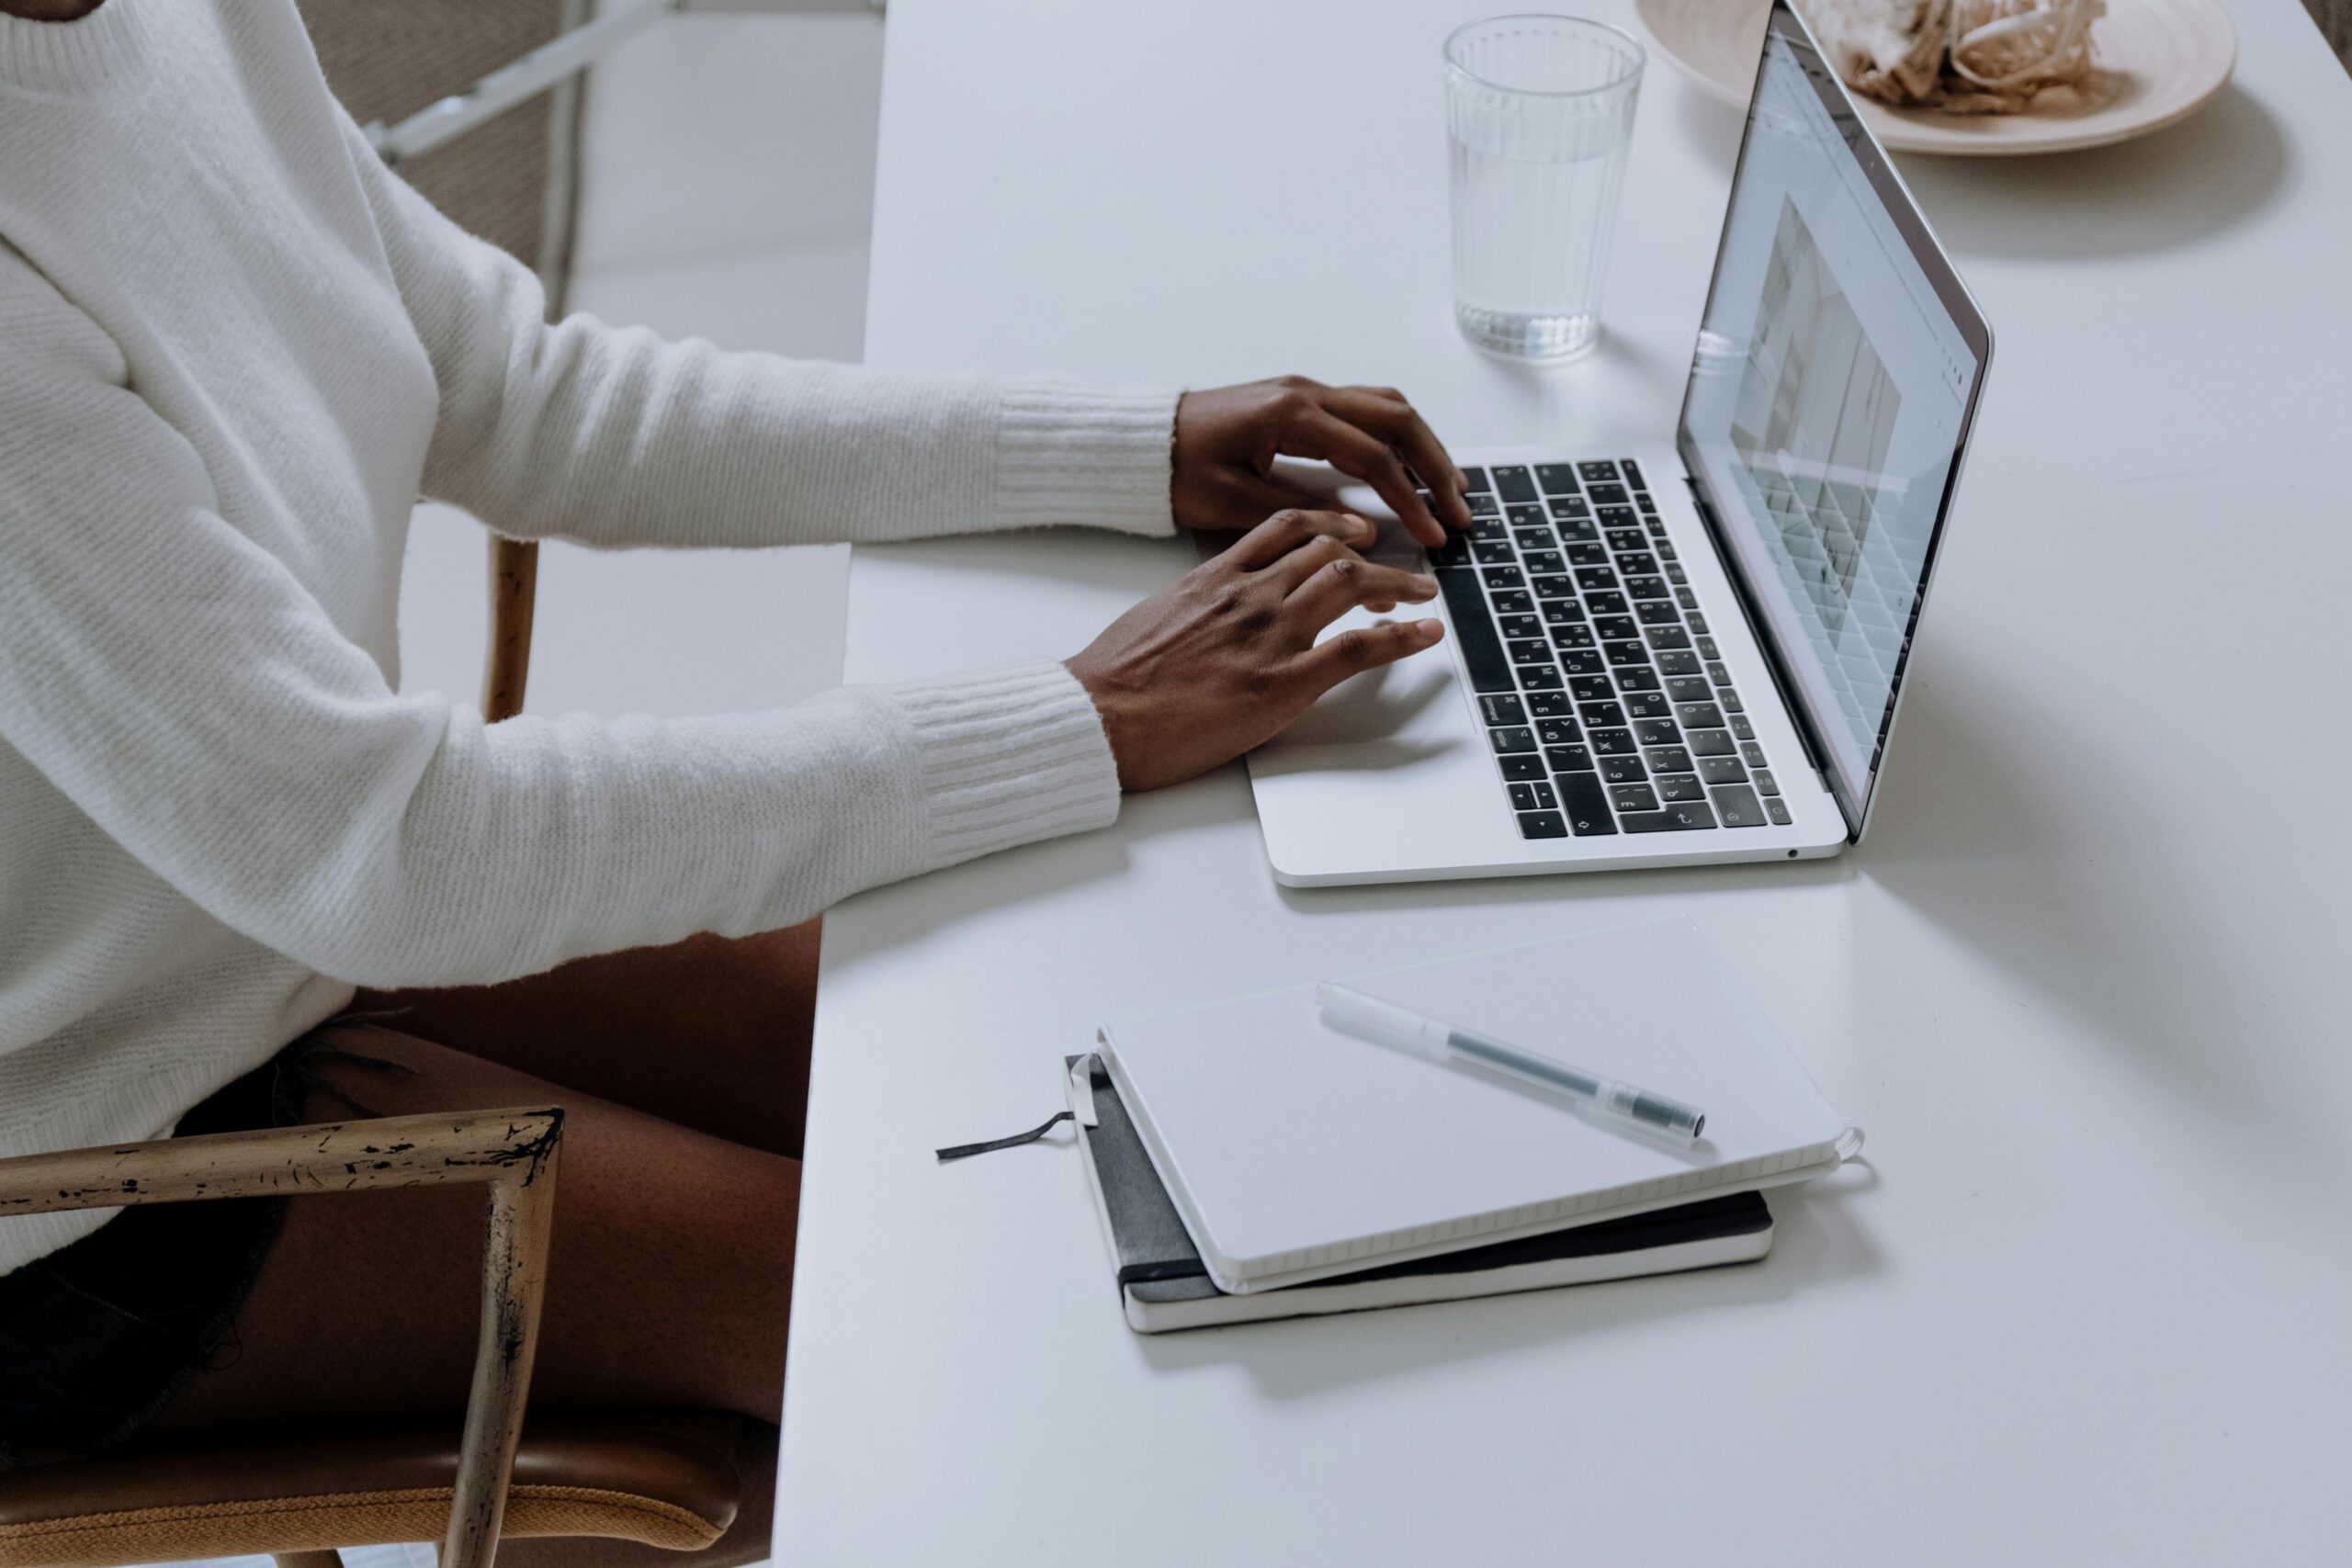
pixel 1693 651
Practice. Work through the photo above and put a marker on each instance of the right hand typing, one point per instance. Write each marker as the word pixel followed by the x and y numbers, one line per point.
pixel 1222 658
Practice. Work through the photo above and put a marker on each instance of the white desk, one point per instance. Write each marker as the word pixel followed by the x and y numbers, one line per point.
pixel 2083 986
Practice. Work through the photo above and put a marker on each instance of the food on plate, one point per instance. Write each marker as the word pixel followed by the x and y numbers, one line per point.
pixel 1965 56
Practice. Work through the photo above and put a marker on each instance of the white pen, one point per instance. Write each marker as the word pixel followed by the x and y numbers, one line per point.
pixel 1654 1114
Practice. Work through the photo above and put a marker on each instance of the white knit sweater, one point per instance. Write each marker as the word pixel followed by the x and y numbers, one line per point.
pixel 234 351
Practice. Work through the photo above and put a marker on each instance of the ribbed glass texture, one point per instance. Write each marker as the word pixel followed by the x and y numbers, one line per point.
pixel 1539 113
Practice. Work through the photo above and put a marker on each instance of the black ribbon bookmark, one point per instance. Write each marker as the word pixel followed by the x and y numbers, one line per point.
pixel 960 1150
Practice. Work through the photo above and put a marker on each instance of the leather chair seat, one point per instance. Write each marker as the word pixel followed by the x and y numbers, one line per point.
pixel 665 1481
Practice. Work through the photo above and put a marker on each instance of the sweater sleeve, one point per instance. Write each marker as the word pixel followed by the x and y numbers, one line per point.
pixel 182 687
pixel 614 436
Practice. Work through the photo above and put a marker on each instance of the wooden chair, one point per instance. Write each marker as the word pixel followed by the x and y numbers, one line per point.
pixel 646 1486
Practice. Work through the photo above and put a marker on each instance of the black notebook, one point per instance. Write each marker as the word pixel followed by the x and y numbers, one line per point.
pixel 1164 1285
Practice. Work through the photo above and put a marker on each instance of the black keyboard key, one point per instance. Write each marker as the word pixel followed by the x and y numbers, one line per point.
pixel 1668 759
pixel 1674 787
pixel 1658 732
pixel 1620 517
pixel 1539 677
pixel 1752 753
pixel 1530 652
pixel 1647 705
pixel 1659 613
pixel 1625 653
pixel 1532 797
pixel 1730 700
pixel 1576 759
pixel 1494 552
pixel 1579 530
pixel 1600 713
pixel 1502 710
pixel 1557 478
pixel 1663 637
pixel 1541 825
pixel 1592 688
pixel 1484 506
pixel 1544 562
pixel 1591 577
pixel 1534 538
pixel 1764 782
pixel 1719 673
pixel 1624 539
pixel 1561 612
pixel 1674 573
pixel 1638 563
pixel 1612 628
pixel 1548 704
pixel 1741 727
pixel 1721 771
pixel 1455 551
pixel 1672 819
pixel 1699 715
pixel 1517 626
pixel 1633 472
pixel 1633 798
pixel 1571 635
pixel 1646 588
pixel 1513 601
pixel 1600 469
pixel 1612 742
pixel 1690 689
pixel 1489 528
pixel 1476 481
pixel 1515 484
pixel 1628 769
pixel 1686 598
pixel 1606 494
pixel 1588 554
pixel 1520 765
pixel 1565 509
pixel 1585 801
pixel 1525 516
pixel 1606 603
pixel 1665 551
pixel 1706 644
pixel 1581 661
pixel 1558 731
pixel 1502 577
pixel 1738 806
pixel 1709 743
pixel 1474 634
pixel 1555 588
pixel 1512 737
pixel 1699 624
pixel 1678 662
pixel 1777 810
pixel 1631 680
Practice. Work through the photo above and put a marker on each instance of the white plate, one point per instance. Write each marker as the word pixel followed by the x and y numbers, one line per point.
pixel 2158 61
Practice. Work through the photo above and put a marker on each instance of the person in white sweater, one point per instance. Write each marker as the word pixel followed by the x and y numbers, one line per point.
pixel 234 351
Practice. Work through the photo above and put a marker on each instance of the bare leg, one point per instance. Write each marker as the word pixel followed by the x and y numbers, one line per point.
pixel 711 1033
pixel 668 1285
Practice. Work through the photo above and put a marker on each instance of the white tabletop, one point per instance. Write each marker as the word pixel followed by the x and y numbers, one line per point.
pixel 2084 984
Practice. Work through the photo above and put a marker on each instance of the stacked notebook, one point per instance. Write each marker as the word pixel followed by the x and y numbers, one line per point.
pixel 1250 1161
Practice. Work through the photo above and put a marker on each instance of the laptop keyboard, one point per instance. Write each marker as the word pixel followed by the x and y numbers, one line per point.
pixel 1604 700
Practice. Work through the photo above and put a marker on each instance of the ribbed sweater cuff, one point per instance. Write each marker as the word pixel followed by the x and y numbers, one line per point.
pixel 1082 452
pixel 1006 757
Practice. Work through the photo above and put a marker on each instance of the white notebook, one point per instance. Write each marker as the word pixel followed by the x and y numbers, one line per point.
pixel 1296 1152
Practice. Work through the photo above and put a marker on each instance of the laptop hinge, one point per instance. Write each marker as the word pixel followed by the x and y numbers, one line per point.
pixel 1783 679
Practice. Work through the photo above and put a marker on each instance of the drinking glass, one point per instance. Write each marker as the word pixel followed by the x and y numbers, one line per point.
pixel 1538 112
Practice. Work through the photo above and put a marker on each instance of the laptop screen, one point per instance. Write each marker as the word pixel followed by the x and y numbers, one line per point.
pixel 1829 399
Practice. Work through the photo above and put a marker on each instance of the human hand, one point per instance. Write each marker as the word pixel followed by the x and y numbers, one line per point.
pixel 1228 438
pixel 1225 656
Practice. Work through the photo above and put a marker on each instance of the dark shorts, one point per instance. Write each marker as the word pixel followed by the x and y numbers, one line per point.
pixel 98 1336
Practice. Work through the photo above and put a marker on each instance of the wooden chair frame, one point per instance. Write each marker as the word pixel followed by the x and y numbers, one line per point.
pixel 513 1153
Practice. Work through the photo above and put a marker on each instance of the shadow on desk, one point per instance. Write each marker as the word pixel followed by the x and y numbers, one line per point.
pixel 1818 1243
pixel 2171 187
